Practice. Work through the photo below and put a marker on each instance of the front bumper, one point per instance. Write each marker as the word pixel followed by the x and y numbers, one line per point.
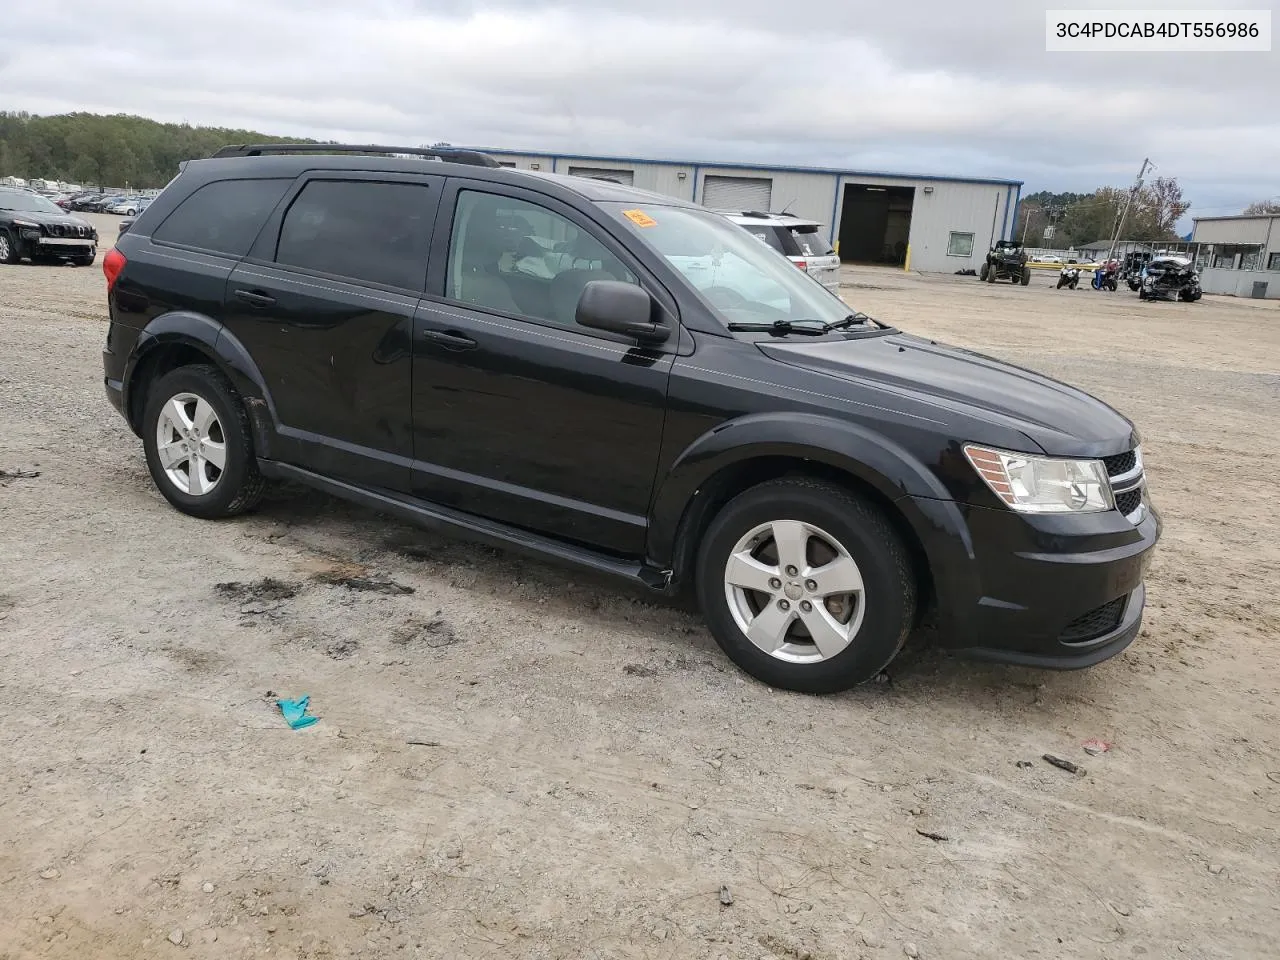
pixel 1043 591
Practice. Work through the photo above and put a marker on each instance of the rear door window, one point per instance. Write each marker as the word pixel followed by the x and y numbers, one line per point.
pixel 811 242
pixel 224 216
pixel 376 232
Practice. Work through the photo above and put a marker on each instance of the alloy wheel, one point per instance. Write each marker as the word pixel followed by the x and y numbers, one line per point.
pixel 191 444
pixel 5 250
pixel 794 591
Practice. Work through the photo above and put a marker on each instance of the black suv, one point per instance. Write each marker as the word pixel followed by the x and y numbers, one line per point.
pixel 627 382
pixel 36 228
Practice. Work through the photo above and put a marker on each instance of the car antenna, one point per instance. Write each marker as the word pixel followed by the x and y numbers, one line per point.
pixel 787 208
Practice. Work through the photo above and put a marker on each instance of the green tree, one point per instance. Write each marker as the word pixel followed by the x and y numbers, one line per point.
pixel 108 150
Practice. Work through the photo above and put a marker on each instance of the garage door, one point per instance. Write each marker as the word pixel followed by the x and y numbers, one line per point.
pixel 737 193
pixel 602 173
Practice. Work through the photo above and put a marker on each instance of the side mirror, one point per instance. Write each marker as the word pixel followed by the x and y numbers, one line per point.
pixel 620 308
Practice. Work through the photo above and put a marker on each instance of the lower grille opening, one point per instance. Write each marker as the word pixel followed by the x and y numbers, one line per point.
pixel 1128 502
pixel 1097 622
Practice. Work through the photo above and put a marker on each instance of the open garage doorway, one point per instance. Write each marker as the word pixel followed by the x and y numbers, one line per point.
pixel 875 223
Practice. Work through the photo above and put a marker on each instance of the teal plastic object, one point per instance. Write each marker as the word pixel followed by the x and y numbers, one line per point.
pixel 295 712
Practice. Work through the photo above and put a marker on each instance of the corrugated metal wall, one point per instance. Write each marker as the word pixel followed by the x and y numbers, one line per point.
pixel 986 210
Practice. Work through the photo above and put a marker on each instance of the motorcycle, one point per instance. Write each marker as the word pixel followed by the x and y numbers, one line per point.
pixel 1170 278
pixel 1069 277
pixel 1104 277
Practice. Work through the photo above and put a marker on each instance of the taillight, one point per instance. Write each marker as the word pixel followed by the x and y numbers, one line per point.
pixel 801 264
pixel 112 264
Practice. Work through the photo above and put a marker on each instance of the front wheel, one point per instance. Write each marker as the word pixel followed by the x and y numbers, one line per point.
pixel 806 586
pixel 983 271
pixel 1026 275
pixel 198 444
pixel 8 249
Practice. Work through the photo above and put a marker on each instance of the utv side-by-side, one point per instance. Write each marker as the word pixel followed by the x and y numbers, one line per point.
pixel 1006 261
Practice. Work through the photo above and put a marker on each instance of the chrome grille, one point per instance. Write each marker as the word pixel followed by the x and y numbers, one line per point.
pixel 1128 483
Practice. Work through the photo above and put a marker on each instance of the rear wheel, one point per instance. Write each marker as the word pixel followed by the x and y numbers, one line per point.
pixel 8 249
pixel 806 586
pixel 198 444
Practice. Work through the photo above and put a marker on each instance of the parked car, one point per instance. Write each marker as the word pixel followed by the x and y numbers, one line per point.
pixel 816 479
pixel 35 228
pixel 126 207
pixel 801 241
pixel 84 201
pixel 107 200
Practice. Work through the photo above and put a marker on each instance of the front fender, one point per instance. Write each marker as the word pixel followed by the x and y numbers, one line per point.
pixel 870 457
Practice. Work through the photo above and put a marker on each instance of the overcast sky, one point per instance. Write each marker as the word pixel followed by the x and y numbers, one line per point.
pixel 930 86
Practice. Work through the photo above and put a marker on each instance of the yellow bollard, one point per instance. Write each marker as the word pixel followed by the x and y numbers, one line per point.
pixel 906 264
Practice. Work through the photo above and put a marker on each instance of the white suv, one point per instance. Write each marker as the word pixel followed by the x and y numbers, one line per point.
pixel 801 241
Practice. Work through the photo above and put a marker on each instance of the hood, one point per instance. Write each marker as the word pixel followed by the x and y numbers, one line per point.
pixel 64 219
pixel 1060 419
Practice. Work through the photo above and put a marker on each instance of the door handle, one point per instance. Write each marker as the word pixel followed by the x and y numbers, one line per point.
pixel 450 340
pixel 255 299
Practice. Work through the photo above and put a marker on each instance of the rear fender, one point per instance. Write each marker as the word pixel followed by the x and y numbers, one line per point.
pixel 207 337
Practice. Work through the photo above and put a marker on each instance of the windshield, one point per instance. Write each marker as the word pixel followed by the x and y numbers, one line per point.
pixel 745 280
pixel 30 202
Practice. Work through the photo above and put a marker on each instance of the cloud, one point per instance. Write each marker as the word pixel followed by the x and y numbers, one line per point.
pixel 931 86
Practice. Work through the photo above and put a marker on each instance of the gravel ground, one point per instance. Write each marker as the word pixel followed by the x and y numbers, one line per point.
pixel 513 761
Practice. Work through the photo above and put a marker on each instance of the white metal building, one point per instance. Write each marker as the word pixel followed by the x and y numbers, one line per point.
pixel 924 223
pixel 1240 255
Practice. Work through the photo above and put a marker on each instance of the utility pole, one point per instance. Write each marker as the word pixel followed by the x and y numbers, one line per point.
pixel 1124 211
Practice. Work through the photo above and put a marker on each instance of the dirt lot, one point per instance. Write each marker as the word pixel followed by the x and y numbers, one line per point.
pixel 513 761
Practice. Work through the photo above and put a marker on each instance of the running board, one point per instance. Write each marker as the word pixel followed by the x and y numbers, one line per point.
pixel 447 520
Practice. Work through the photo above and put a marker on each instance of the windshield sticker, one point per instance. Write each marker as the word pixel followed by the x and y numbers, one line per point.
pixel 640 218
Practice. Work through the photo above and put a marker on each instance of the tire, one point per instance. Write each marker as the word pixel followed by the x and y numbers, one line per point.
pixel 982 273
pixel 991 273
pixel 1026 275
pixel 202 391
pixel 8 248
pixel 842 536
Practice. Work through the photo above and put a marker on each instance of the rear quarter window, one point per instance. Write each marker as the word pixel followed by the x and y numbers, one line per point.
pixel 224 216
pixel 768 235
pixel 811 242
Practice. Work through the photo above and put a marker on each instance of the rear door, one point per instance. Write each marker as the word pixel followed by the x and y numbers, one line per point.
pixel 325 304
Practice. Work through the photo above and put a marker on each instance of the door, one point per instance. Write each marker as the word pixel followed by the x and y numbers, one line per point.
pixel 521 415
pixel 325 303
pixel 737 193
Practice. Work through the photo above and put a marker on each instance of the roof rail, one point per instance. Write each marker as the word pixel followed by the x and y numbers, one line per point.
pixel 756 213
pixel 449 155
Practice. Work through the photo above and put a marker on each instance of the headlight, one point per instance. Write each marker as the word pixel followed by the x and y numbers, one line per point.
pixel 1032 484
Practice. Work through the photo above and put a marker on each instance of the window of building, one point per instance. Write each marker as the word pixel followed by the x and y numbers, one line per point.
pixel 1273 262
pixel 224 216
pixel 375 232
pixel 519 258
pixel 960 244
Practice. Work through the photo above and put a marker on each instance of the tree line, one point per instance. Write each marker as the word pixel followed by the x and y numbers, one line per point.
pixel 111 151
pixel 1080 218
